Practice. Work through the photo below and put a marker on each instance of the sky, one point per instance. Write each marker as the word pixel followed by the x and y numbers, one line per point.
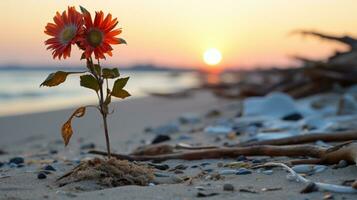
pixel 248 33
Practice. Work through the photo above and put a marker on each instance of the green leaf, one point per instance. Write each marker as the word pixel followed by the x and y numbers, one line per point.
pixel 110 73
pixel 120 83
pixel 118 90
pixel 90 82
pixel 120 93
pixel 55 79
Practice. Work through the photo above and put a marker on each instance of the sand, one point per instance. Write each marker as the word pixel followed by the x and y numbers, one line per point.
pixel 34 135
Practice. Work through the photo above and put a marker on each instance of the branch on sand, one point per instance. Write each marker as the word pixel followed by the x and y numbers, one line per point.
pixel 346 151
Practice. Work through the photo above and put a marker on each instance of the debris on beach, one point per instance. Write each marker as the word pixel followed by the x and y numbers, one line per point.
pixel 108 173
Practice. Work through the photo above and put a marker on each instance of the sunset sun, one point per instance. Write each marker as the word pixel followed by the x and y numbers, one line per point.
pixel 212 56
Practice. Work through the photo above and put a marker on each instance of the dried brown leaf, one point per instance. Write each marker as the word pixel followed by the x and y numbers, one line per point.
pixel 67 130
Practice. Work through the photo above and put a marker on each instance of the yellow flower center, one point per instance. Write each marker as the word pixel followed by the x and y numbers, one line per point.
pixel 68 33
pixel 95 37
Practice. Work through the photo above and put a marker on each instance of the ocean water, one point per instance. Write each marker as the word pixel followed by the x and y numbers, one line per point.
pixel 20 92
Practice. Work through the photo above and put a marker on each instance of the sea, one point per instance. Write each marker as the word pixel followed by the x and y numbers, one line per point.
pixel 20 90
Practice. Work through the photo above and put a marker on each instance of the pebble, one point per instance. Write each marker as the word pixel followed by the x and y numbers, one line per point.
pixel 53 151
pixel 189 118
pixel 160 166
pixel 17 160
pixel 41 175
pixel 49 168
pixel 292 117
pixel 181 166
pixel 218 130
pixel 160 138
pixel 151 184
pixel 184 137
pixel 220 164
pixel 88 146
pixel 12 165
pixel 243 171
pixel 205 164
pixel 203 194
pixel 208 170
pixel 167 129
pixel 242 158
pixel 268 172
pixel 228 187
pixel 342 164
pixel 227 171
pixel 213 113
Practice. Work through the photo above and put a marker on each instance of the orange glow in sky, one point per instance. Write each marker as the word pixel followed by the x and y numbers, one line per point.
pixel 177 32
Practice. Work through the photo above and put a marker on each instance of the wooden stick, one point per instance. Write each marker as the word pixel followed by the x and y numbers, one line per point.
pixel 264 150
pixel 347 152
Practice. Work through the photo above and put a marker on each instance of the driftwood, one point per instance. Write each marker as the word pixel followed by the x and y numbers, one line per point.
pixel 346 151
pixel 312 77
pixel 307 138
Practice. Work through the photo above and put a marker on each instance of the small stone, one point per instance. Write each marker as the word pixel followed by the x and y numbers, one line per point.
pixel 189 118
pixel 12 165
pixel 257 161
pixel 167 129
pixel 208 170
pixel 268 172
pixel 243 171
pixel 292 117
pixel 159 166
pixel 160 138
pixel 205 164
pixel 342 164
pixel 151 184
pixel 213 113
pixel 180 166
pixel 220 164
pixel 203 194
pixel 227 171
pixel 242 158
pixel 53 151
pixel 49 168
pixel 228 187
pixel 41 175
pixel 218 130
pixel 88 146
pixel 17 160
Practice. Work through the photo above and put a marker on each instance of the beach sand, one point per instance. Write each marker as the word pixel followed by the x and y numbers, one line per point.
pixel 33 136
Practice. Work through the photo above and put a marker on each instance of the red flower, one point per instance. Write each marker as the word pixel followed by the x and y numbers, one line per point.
pixel 65 32
pixel 99 35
